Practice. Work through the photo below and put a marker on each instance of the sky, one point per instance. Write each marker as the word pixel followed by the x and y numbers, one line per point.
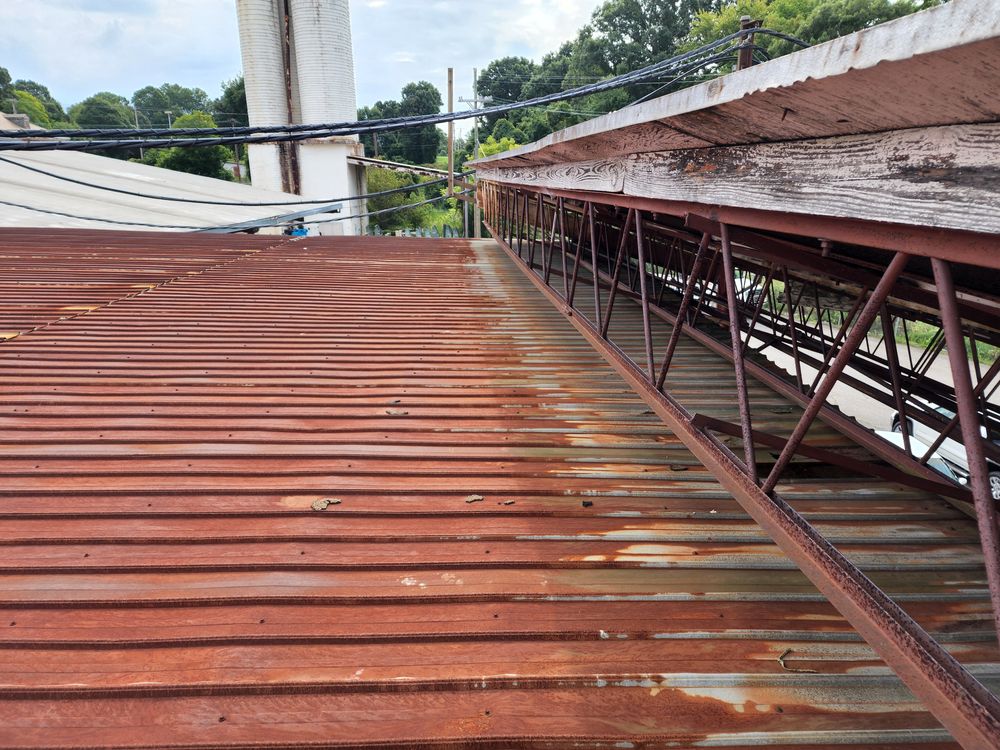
pixel 80 47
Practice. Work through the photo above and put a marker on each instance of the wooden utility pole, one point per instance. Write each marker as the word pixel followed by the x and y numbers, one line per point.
pixel 451 133
pixel 477 218
pixel 475 101
pixel 745 59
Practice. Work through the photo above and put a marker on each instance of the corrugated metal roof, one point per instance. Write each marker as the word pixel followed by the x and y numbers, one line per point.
pixel 521 555
pixel 19 185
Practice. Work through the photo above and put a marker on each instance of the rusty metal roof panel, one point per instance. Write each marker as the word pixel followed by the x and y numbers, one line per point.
pixel 370 492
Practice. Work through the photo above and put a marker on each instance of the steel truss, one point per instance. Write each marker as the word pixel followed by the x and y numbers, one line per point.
pixel 841 314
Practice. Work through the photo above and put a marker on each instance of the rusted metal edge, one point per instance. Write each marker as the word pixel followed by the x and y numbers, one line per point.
pixel 956 698
pixel 974 248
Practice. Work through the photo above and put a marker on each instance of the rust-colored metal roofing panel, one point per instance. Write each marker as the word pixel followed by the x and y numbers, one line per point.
pixel 363 491
pixel 50 274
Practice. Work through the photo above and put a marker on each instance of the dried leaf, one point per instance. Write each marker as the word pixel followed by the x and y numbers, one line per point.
pixel 325 502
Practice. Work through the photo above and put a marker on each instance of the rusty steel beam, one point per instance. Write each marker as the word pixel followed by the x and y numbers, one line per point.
pixel 986 515
pixel 851 343
pixel 974 248
pixel 848 427
pixel 833 458
pixel 965 706
pixel 742 393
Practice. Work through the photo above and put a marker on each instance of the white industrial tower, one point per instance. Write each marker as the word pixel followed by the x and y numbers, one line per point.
pixel 298 65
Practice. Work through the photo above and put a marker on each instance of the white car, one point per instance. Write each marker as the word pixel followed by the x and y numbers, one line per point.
pixel 918 449
pixel 950 451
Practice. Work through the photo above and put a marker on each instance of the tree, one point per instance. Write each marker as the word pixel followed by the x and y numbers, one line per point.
pixel 492 146
pixel 504 129
pixel 813 21
pixel 208 161
pixel 153 102
pixel 832 18
pixel 504 80
pixel 385 179
pixel 549 77
pixel 29 105
pixel 102 110
pixel 416 145
pixel 6 90
pixel 52 107
pixel 231 106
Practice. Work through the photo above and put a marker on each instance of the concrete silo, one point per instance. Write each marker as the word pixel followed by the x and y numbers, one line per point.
pixel 298 65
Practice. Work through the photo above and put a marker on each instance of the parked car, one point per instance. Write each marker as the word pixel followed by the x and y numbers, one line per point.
pixel 950 451
pixel 918 449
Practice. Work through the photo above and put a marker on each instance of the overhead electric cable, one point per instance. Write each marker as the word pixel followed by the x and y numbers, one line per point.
pixel 385 210
pixel 267 221
pixel 205 201
pixel 275 134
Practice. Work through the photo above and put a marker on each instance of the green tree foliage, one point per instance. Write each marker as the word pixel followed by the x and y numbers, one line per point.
pixel 407 218
pixel 27 104
pixel 102 110
pixel 52 108
pixel 813 21
pixel 208 161
pixel 231 107
pixel 412 145
pixel 6 90
pixel 504 129
pixel 153 102
pixel 492 146
pixel 504 80
pixel 634 33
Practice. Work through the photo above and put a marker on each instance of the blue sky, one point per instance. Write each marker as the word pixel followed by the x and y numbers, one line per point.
pixel 79 47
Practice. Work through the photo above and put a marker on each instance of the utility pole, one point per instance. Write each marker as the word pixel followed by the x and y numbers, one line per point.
pixel 170 122
pixel 451 133
pixel 475 101
pixel 237 170
pixel 136 113
pixel 745 59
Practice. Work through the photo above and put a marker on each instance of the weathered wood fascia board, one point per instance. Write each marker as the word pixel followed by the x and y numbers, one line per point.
pixel 943 177
pixel 930 68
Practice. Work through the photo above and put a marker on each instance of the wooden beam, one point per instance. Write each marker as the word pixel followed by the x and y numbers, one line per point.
pixel 941 177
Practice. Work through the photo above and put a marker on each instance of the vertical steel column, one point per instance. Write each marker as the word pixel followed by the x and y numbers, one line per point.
pixel 596 270
pixel 742 393
pixel 647 331
pixel 579 251
pixel 986 516
pixel 561 209
pixel 892 356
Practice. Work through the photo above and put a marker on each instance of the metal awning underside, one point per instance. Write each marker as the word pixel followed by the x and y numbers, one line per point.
pixel 515 551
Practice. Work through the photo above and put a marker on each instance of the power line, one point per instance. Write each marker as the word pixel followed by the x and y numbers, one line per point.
pixel 268 221
pixel 285 133
pixel 386 210
pixel 155 196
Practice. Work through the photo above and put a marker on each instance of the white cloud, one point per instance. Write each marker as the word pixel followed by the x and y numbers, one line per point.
pixel 79 47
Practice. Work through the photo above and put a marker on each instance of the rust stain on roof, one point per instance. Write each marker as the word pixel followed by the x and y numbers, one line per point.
pixel 169 579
